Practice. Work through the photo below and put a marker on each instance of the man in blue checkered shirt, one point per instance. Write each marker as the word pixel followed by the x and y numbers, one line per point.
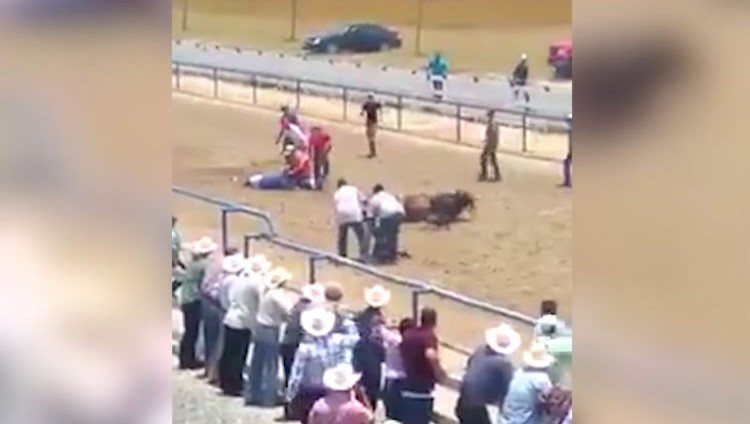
pixel 322 348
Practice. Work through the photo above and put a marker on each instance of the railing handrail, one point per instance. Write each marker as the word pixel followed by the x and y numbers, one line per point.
pixel 527 111
pixel 422 287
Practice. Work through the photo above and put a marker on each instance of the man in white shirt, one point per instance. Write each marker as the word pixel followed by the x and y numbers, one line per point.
pixel 349 208
pixel 388 213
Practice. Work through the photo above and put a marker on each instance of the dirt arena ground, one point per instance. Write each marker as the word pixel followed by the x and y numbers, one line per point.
pixel 477 35
pixel 515 252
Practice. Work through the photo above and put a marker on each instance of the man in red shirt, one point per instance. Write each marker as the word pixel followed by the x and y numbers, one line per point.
pixel 419 350
pixel 320 147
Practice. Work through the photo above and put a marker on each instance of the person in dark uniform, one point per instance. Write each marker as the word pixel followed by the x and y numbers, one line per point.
pixel 520 78
pixel 371 111
pixel 489 151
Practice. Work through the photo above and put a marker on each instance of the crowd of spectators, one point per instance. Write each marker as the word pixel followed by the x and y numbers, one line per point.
pixel 321 365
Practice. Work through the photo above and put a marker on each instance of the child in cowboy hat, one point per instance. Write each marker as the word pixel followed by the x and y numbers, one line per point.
pixel 321 349
pixel 340 405
pixel 273 311
pixel 528 388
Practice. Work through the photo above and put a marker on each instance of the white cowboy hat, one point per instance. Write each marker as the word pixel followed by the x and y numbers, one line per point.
pixel 503 339
pixel 537 356
pixel 524 56
pixel 278 277
pixel 258 264
pixel 233 264
pixel 315 293
pixel 289 149
pixel 340 378
pixel 203 246
pixel 318 322
pixel 377 296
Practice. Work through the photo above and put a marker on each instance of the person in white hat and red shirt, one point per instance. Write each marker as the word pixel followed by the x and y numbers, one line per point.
pixel 524 403
pixel 488 375
pixel 340 405
pixel 369 354
pixel 190 301
pixel 322 348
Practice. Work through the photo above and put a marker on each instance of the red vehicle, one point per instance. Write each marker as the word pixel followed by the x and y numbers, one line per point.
pixel 561 59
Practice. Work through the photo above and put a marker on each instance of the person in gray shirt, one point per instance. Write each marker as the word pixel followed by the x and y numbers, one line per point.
pixel 488 375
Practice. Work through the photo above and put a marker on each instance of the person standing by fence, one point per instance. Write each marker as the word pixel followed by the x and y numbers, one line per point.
pixel 369 354
pixel 320 150
pixel 273 312
pixel 348 204
pixel 419 350
pixel 190 302
pixel 371 110
pixel 489 150
pixel 568 162
pixel 437 74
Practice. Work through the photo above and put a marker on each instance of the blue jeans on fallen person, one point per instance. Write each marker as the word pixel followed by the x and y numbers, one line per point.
pixel 263 387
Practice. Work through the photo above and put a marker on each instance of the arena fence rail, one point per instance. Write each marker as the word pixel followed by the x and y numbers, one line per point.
pixel 526 120
pixel 316 257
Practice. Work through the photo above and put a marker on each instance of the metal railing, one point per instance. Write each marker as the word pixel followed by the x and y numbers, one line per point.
pixel 316 257
pixel 527 120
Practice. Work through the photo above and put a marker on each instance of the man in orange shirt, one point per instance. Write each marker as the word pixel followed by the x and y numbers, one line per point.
pixel 320 147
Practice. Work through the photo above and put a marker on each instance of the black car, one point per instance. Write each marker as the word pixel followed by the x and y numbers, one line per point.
pixel 357 38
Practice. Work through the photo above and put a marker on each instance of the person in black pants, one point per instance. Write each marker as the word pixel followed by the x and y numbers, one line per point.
pixel 489 150
pixel 192 314
pixel 232 361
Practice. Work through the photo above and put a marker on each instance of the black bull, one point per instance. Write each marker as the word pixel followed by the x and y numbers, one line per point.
pixel 441 209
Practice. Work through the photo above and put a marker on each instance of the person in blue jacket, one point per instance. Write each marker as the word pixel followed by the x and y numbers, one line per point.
pixel 437 73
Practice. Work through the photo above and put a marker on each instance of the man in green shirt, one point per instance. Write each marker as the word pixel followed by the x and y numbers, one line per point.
pixel 190 300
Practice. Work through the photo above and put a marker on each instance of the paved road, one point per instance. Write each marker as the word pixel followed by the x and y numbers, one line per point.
pixel 461 88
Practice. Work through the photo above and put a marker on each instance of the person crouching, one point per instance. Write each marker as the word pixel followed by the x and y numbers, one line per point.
pixel 299 169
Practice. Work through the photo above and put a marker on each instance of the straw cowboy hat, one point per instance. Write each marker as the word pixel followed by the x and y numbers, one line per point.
pixel 315 293
pixel 377 296
pixel 258 264
pixel 204 246
pixel 318 322
pixel 233 264
pixel 278 277
pixel 537 356
pixel 503 339
pixel 341 378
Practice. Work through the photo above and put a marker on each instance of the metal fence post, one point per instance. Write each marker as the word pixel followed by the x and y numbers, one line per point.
pixel 415 304
pixel 177 76
pixel 458 123
pixel 311 270
pixel 345 110
pixel 524 126
pixel 399 116
pixel 224 229
pixel 255 89
pixel 216 83
pixel 246 246
pixel 298 90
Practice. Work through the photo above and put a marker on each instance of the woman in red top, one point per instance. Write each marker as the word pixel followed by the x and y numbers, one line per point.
pixel 320 147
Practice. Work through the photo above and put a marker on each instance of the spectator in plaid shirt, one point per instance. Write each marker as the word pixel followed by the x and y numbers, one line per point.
pixel 321 349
